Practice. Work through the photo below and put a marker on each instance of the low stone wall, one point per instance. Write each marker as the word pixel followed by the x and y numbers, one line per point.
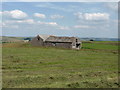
pixel 59 44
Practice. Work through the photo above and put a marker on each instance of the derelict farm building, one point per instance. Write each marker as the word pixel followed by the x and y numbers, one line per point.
pixel 54 41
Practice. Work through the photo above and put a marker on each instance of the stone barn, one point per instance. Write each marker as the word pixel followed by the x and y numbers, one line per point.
pixel 55 41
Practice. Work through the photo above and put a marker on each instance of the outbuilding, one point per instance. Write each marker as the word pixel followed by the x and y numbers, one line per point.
pixel 55 41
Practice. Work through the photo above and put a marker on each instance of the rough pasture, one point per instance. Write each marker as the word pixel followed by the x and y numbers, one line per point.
pixel 94 66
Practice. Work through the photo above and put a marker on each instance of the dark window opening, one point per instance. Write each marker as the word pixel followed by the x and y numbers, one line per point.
pixel 76 40
pixel 38 38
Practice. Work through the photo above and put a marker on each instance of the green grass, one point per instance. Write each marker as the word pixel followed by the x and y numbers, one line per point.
pixel 94 66
pixel 103 45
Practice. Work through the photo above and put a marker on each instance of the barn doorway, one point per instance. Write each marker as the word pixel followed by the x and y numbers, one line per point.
pixel 54 44
pixel 77 44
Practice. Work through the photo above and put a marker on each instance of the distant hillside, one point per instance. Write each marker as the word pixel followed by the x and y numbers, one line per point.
pixel 5 39
pixel 100 39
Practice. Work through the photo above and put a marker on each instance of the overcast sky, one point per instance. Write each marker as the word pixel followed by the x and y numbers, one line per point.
pixel 81 19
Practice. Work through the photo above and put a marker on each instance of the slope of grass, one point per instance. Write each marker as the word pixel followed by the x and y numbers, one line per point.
pixel 25 66
pixel 5 39
pixel 109 45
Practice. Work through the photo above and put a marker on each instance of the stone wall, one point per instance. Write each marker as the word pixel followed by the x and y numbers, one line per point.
pixel 37 41
pixel 59 44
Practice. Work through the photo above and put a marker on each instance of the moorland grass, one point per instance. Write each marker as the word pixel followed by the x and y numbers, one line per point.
pixel 94 66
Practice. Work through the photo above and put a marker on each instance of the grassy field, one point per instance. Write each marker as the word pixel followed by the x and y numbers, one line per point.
pixel 94 66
